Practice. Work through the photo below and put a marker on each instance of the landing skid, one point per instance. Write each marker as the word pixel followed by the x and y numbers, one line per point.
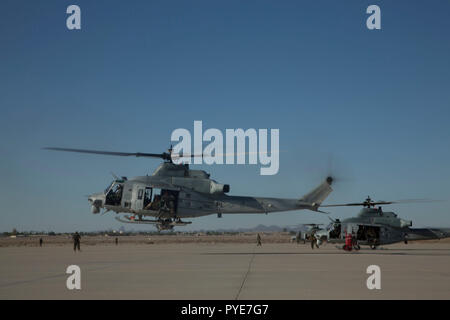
pixel 166 222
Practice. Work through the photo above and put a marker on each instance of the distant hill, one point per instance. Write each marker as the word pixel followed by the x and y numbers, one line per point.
pixel 260 228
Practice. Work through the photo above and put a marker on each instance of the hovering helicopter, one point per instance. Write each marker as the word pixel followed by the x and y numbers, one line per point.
pixel 373 227
pixel 174 192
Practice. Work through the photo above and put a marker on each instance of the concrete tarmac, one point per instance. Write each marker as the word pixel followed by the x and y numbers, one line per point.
pixel 225 271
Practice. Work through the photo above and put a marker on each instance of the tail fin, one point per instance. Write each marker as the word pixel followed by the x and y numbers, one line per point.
pixel 318 195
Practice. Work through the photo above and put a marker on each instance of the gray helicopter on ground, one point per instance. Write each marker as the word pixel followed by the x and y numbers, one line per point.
pixel 373 227
pixel 174 192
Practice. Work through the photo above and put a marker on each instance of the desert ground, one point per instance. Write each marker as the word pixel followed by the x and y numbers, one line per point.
pixel 219 267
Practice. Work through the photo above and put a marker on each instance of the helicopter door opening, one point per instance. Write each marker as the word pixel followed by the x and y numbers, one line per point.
pixel 147 197
pixel 169 201
pixel 163 201
pixel 368 233
pixel 152 199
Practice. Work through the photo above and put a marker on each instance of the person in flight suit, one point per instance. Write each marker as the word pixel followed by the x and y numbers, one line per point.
pixel 258 240
pixel 168 202
pixel 76 241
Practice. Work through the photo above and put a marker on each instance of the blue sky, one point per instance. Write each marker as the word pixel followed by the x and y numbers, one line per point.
pixel 377 102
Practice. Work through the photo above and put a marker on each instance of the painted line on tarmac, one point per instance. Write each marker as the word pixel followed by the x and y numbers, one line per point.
pixel 246 274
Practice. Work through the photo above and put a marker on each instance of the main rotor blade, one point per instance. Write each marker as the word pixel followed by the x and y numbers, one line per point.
pixel 352 204
pixel 188 155
pixel 375 203
pixel 164 155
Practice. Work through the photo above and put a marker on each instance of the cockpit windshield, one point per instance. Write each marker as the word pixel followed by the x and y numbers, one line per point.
pixel 109 187
pixel 114 193
pixel 334 229
pixel 117 182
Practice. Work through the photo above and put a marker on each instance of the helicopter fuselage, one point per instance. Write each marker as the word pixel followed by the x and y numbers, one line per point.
pixel 176 192
pixel 138 195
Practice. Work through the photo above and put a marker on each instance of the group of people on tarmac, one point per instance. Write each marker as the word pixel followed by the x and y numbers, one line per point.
pixel 76 237
pixel 76 241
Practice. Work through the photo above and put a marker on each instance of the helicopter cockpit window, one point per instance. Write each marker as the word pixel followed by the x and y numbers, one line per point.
pixel 335 230
pixel 114 195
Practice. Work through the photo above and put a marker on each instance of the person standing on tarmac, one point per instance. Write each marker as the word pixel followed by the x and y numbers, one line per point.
pixel 40 242
pixel 76 241
pixel 258 240
pixel 314 242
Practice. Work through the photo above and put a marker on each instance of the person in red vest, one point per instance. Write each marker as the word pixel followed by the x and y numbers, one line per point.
pixel 348 242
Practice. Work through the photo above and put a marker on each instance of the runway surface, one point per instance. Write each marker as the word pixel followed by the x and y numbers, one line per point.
pixel 225 271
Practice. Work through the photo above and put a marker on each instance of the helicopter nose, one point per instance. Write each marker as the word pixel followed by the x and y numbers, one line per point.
pixel 96 200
